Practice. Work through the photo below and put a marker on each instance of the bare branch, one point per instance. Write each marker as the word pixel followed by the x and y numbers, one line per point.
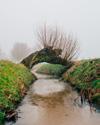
pixel 64 45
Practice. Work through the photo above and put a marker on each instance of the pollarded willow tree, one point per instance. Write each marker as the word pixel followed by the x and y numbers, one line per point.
pixel 54 47
pixel 64 45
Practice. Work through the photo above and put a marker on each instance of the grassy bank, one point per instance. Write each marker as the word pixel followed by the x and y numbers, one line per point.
pixel 85 76
pixel 14 82
pixel 52 69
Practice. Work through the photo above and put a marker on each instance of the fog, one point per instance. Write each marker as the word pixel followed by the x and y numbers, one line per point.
pixel 20 19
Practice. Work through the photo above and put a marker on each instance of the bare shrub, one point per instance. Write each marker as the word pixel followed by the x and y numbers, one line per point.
pixel 65 45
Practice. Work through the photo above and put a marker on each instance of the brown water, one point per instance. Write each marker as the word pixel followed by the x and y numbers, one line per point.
pixel 51 102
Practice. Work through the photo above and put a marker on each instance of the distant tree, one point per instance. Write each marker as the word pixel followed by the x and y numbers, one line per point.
pixel 19 51
pixel 0 50
pixel 2 55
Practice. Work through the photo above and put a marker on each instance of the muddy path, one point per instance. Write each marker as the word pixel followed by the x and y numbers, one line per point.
pixel 53 102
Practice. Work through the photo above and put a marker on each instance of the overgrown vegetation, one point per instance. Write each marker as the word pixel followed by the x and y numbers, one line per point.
pixel 85 76
pixel 56 47
pixel 63 44
pixel 52 69
pixel 14 82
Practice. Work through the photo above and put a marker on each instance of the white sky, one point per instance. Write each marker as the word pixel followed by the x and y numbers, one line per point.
pixel 19 19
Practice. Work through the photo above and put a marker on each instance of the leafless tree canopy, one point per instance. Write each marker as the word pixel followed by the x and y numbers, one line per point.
pixel 54 39
pixel 19 51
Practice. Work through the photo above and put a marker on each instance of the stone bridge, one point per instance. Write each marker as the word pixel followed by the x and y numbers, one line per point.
pixel 45 55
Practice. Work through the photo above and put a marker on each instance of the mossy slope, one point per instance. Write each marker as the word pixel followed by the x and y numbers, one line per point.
pixel 14 81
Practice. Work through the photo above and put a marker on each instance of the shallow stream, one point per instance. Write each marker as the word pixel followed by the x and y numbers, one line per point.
pixel 53 102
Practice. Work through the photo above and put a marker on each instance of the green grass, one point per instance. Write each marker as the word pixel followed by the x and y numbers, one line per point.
pixel 14 82
pixel 85 75
pixel 52 69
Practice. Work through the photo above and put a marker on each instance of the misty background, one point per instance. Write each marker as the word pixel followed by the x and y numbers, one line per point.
pixel 20 19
